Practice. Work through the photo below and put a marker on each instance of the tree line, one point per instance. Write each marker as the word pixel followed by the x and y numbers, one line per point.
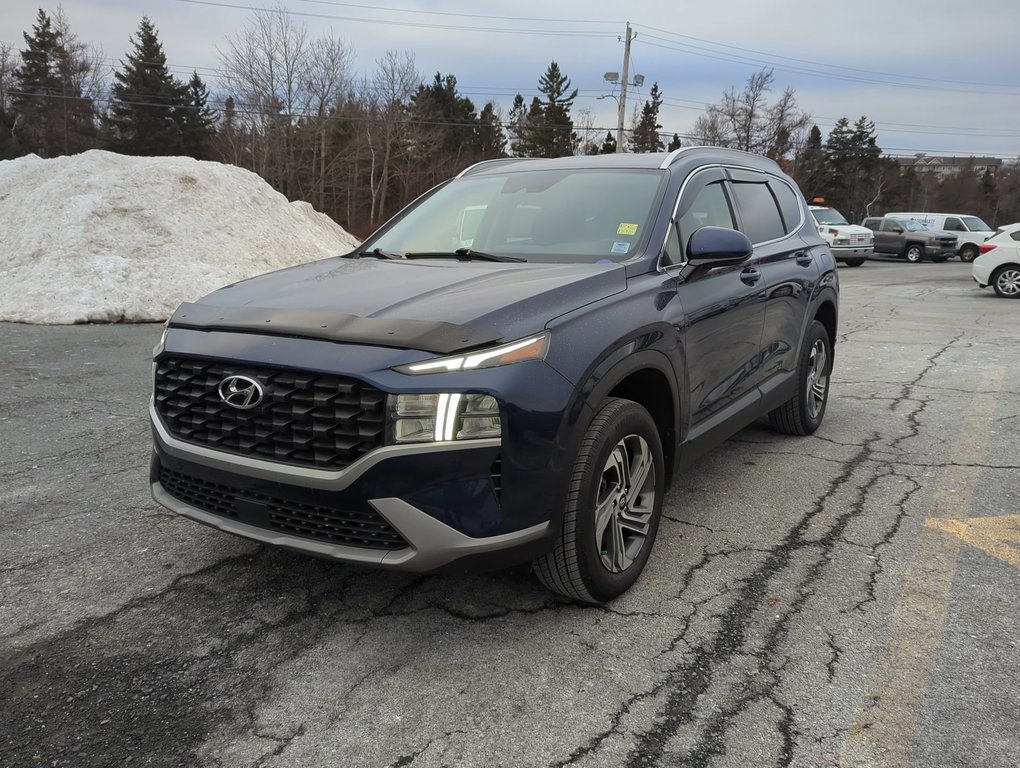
pixel 292 109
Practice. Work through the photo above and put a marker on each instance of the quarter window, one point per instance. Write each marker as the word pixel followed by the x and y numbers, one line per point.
pixel 759 212
pixel 789 205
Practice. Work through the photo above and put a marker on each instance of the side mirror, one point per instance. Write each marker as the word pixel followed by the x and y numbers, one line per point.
pixel 715 246
pixel 898 230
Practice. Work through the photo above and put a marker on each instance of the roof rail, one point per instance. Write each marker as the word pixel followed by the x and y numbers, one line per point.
pixel 494 161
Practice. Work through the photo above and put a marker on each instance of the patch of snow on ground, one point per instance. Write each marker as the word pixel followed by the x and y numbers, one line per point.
pixel 101 237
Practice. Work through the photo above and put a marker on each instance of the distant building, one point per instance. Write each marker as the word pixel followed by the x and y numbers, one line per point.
pixel 947 166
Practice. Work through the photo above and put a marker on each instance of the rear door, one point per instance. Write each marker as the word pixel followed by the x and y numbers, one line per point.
pixel 770 214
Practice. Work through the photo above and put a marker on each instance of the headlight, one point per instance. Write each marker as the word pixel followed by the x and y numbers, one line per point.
pixel 161 344
pixel 429 417
pixel 533 348
pixel 841 241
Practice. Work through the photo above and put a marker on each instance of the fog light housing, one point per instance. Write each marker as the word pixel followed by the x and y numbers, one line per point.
pixel 440 416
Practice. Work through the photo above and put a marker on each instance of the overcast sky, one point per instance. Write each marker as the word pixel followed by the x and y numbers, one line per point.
pixel 935 76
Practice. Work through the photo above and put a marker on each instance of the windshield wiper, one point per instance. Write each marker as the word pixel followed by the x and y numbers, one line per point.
pixel 378 253
pixel 462 254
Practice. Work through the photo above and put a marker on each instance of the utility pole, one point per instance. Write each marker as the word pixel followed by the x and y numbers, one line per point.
pixel 623 91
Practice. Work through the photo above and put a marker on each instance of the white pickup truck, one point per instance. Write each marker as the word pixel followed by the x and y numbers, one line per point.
pixel 848 242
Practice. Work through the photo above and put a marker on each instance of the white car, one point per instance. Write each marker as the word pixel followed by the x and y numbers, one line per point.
pixel 999 263
pixel 848 242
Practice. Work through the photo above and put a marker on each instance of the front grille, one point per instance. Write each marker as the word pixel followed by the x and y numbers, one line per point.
pixel 859 239
pixel 354 528
pixel 307 419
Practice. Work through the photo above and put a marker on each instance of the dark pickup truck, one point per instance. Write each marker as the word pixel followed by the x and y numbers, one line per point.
pixel 512 370
pixel 910 239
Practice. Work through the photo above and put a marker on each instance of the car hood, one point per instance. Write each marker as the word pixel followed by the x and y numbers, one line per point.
pixel 850 229
pixel 437 306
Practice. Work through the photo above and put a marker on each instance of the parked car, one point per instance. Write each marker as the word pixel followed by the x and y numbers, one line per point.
pixel 421 405
pixel 910 239
pixel 970 231
pixel 999 263
pixel 848 242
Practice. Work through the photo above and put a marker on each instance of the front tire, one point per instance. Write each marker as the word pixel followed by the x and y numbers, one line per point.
pixel 1006 281
pixel 802 414
pixel 939 259
pixel 853 262
pixel 913 253
pixel 968 253
pixel 613 507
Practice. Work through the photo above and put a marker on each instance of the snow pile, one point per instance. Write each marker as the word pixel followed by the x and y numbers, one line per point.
pixel 101 237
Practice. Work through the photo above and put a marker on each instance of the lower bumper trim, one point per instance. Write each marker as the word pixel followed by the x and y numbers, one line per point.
pixel 433 544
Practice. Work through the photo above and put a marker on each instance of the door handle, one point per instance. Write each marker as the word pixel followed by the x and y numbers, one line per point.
pixel 804 259
pixel 750 275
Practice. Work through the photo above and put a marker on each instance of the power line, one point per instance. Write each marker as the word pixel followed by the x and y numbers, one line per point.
pixel 829 66
pixel 416 25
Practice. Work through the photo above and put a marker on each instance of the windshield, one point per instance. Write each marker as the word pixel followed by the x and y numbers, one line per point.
pixel 828 216
pixel 545 216
pixel 974 224
pixel 914 226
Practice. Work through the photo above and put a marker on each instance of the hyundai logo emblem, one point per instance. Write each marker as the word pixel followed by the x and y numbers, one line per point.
pixel 240 392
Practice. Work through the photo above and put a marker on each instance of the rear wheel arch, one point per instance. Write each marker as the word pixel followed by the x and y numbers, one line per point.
pixel 827 316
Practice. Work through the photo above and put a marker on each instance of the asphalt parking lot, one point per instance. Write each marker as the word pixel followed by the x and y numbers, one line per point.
pixel 848 599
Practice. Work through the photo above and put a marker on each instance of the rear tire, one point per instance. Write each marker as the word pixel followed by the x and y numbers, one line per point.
pixel 913 253
pixel 853 262
pixel 613 507
pixel 939 259
pixel 1006 281
pixel 968 253
pixel 802 414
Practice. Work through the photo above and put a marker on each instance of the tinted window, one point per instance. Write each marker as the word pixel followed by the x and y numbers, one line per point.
pixel 710 208
pixel 758 212
pixel 953 225
pixel 892 225
pixel 871 223
pixel 1015 235
pixel 789 205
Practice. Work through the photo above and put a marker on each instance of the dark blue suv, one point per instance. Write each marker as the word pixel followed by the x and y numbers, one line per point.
pixel 511 370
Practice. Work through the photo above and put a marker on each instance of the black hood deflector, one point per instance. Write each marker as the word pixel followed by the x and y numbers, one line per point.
pixel 428 336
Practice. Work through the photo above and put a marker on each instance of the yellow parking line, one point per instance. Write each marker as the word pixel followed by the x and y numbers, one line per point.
pixel 994 535
pixel 885 722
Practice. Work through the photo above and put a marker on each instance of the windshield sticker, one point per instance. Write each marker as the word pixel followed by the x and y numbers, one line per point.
pixel 621 247
pixel 627 229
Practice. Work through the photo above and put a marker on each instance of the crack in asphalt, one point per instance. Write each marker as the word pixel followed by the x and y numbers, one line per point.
pixel 686 684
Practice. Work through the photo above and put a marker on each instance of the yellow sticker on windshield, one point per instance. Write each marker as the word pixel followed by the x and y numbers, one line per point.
pixel 627 229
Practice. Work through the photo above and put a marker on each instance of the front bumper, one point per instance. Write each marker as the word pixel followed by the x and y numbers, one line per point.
pixel 855 251
pixel 387 532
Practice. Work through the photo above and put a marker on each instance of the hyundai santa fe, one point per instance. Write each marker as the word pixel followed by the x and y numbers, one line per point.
pixel 512 370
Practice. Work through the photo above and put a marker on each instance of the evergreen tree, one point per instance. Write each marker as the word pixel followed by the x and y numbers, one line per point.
pixel 553 126
pixel 674 143
pixel 37 88
pixel 197 121
pixel 492 139
pixel 609 145
pixel 811 169
pixel 854 163
pixel 447 121
pixel 645 137
pixel 146 113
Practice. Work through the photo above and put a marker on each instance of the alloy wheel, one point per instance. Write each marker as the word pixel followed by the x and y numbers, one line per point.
pixel 624 503
pixel 817 378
